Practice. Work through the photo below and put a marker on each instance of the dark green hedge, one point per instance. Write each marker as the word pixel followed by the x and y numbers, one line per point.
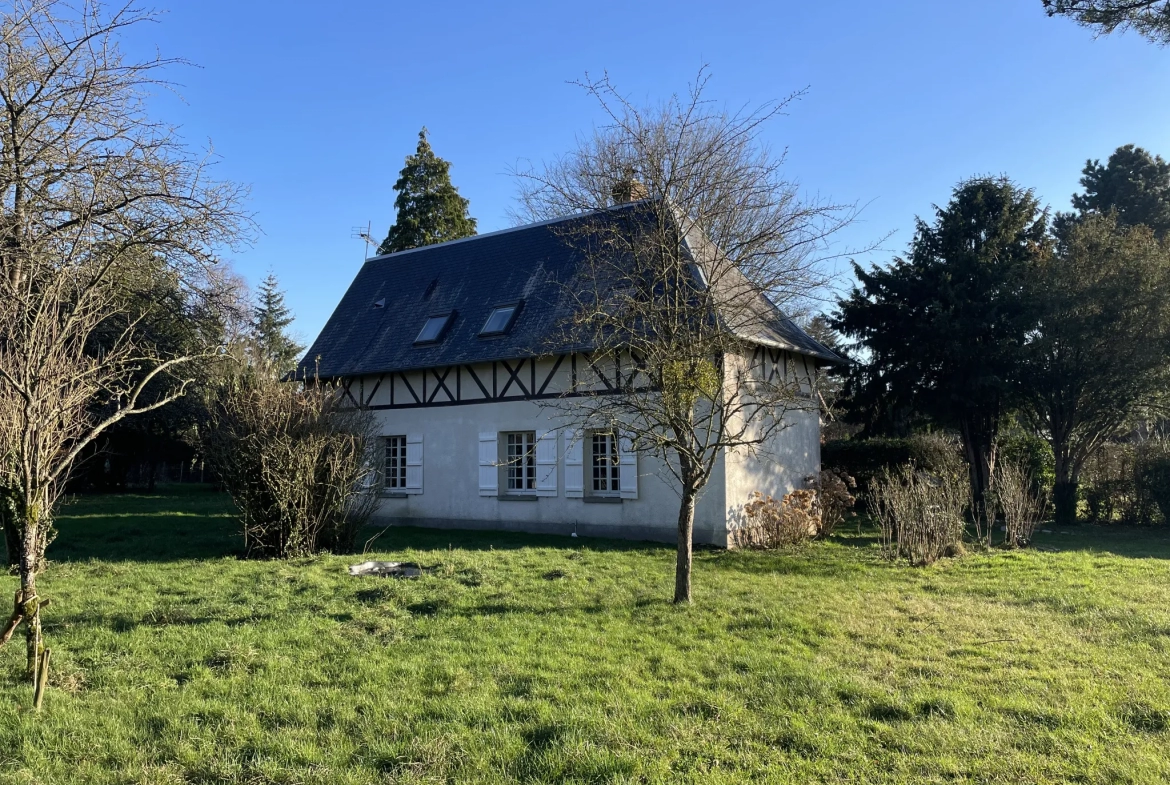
pixel 864 459
pixel 1153 484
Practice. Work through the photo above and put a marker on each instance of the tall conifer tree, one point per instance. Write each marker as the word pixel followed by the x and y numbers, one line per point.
pixel 943 327
pixel 429 208
pixel 1134 184
pixel 271 318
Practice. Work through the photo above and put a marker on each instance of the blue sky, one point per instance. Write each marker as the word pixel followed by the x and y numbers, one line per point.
pixel 315 105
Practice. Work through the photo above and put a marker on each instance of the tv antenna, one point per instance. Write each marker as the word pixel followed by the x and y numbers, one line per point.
pixel 363 233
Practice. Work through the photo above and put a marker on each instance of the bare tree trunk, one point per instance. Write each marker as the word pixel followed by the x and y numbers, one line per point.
pixel 1064 500
pixel 94 190
pixel 686 531
pixel 687 227
pixel 978 435
pixel 1064 489
pixel 30 563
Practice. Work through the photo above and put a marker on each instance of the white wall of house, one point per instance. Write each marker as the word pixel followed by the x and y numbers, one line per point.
pixel 451 494
pixel 446 452
pixel 787 460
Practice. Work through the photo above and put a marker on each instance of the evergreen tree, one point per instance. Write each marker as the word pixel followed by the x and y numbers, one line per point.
pixel 271 317
pixel 1133 183
pixel 1101 349
pixel 429 208
pixel 1150 18
pixel 943 328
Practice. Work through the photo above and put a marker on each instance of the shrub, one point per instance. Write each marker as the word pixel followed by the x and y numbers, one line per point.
pixel 1107 484
pixel 295 462
pixel 836 499
pixel 1031 453
pixel 920 513
pixel 1018 498
pixel 1152 482
pixel 772 523
pixel 1105 500
pixel 1128 483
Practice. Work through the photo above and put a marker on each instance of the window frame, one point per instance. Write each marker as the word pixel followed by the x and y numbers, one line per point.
pixel 485 333
pixel 442 331
pixel 610 467
pixel 397 484
pixel 521 467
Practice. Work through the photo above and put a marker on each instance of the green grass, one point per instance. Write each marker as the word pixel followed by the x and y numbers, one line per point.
pixel 540 659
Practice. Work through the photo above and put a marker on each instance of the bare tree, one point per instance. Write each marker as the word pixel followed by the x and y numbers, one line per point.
pixel 679 283
pixel 90 187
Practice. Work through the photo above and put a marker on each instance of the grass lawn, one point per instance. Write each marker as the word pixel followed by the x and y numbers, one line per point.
pixel 541 659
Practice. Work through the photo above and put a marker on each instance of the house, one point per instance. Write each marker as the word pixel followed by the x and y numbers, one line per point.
pixel 454 347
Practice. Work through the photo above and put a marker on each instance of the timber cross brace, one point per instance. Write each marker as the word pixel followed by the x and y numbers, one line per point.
pixel 498 380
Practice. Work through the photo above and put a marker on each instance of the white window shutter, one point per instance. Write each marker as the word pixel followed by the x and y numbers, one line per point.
pixel 414 463
pixel 574 464
pixel 628 467
pixel 546 463
pixel 489 474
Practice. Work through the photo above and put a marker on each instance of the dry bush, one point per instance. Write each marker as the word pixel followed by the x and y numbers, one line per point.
pixel 773 523
pixel 296 463
pixel 1021 502
pixel 920 513
pixel 836 498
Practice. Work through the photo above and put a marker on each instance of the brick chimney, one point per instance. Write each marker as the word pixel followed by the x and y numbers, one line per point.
pixel 629 189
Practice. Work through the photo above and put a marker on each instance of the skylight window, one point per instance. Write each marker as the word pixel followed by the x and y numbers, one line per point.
pixel 432 329
pixel 499 320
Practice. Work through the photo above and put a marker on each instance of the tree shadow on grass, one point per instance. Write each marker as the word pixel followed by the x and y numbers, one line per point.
pixel 179 523
pixel 398 538
pixel 786 562
pixel 124 622
pixel 844 553
pixel 198 522
pixel 1134 542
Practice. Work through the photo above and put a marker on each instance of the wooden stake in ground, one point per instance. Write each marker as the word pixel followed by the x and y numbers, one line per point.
pixel 42 679
pixel 28 612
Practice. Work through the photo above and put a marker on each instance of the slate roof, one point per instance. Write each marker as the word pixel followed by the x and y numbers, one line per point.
pixel 374 327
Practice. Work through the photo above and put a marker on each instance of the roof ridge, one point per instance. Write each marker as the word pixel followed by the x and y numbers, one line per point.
pixel 522 227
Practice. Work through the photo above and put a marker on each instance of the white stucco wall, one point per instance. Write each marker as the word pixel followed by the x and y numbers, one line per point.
pixel 450 494
pixel 788 457
pixel 782 464
pixel 450 443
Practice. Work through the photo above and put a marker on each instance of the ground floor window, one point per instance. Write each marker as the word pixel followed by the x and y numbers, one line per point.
pixel 521 461
pixel 606 465
pixel 395 468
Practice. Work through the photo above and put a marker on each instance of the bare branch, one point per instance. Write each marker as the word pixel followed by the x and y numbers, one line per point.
pixel 689 236
pixel 93 194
